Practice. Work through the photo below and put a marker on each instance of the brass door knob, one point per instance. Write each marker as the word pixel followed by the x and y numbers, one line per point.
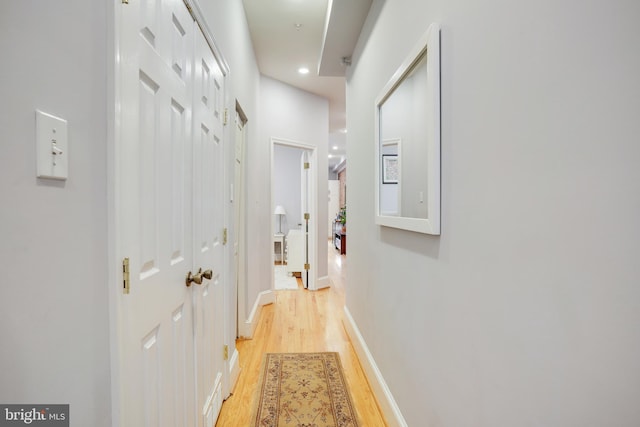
pixel 194 278
pixel 197 278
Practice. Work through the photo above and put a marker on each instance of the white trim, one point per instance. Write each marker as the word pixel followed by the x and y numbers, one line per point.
pixel 387 403
pixel 248 328
pixel 292 143
pixel 340 166
pixel 196 13
pixel 322 282
pixel 114 22
pixel 234 369
pixel 239 228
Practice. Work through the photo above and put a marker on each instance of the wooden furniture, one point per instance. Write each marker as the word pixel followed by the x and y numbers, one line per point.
pixel 279 238
pixel 339 238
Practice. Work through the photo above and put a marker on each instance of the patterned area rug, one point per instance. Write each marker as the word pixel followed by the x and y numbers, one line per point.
pixel 303 390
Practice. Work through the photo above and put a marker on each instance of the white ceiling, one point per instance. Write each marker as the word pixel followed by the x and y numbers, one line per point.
pixel 317 34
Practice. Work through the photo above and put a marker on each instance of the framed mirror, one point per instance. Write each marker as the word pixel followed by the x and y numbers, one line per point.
pixel 407 117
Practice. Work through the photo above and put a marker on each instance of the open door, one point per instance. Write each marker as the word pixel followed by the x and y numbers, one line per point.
pixel 305 167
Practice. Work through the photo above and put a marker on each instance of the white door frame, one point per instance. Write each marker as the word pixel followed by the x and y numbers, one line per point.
pixel 239 226
pixel 313 206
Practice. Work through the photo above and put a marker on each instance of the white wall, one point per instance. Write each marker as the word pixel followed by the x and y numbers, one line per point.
pixel 291 114
pixel 526 310
pixel 333 207
pixel 287 186
pixel 54 326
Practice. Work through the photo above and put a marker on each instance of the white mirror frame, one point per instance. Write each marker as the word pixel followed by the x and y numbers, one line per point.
pixel 430 42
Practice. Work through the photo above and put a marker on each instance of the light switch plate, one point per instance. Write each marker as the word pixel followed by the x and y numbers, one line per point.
pixel 52 146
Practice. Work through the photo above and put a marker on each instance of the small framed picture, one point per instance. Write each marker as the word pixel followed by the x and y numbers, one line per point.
pixel 389 168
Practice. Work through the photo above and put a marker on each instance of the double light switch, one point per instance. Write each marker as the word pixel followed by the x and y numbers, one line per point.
pixel 52 146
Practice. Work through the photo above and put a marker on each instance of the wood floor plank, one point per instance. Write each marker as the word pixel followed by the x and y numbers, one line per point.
pixel 301 321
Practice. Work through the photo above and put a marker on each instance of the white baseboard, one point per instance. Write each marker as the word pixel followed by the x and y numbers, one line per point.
pixel 379 387
pixel 234 368
pixel 323 282
pixel 248 327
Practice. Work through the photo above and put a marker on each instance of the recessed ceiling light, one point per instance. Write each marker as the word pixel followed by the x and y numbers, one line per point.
pixel 343 130
pixel 335 147
pixel 303 70
pixel 330 156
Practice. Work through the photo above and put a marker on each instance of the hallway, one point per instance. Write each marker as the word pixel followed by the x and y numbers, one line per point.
pixel 301 321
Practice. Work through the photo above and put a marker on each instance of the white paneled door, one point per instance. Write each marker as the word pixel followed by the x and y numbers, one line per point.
pixel 168 217
pixel 209 231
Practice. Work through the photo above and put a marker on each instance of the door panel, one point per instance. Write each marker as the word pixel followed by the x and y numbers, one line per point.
pixel 182 368
pixel 304 188
pixel 154 214
pixel 178 182
pixel 209 229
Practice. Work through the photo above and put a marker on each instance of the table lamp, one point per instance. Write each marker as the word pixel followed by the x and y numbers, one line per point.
pixel 280 211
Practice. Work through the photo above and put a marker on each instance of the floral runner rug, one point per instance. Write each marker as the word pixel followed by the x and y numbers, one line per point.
pixel 303 390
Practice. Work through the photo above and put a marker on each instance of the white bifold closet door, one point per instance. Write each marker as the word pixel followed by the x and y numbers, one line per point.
pixel 169 217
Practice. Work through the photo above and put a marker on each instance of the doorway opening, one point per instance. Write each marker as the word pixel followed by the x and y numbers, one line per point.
pixel 294 212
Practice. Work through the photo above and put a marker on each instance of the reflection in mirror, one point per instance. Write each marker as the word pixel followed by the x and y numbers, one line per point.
pixel 408 141
pixel 391 183
pixel 402 115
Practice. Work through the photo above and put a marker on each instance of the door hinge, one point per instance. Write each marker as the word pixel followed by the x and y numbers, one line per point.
pixel 307 216
pixel 224 236
pixel 226 116
pixel 307 266
pixel 125 276
pixel 306 165
pixel 225 352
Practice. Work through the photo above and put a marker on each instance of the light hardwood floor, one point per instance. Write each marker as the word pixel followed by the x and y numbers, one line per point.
pixel 301 321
